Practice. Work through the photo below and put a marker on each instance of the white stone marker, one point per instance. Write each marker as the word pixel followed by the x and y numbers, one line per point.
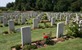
pixel 77 18
pixel 1 19
pixel 52 21
pixel 26 35
pixel 67 20
pixel 48 16
pixel 80 25
pixel 23 20
pixel 60 16
pixel 35 23
pixel 4 21
pixel 11 25
pixel 60 29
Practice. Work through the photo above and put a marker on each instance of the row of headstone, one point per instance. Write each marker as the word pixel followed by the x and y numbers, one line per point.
pixel 58 15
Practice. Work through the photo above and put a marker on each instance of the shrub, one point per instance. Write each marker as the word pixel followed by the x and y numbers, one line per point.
pixel 49 41
pixel 6 25
pixel 50 34
pixel 33 47
pixel 72 29
pixel 26 47
pixel 1 25
pixel 29 47
pixel 5 32
pixel 16 23
pixel 17 47
pixel 47 25
pixel 41 26
pixel 29 21
pixel 44 17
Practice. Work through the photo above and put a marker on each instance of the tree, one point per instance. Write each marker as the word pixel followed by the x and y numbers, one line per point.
pixel 9 5
pixel 39 4
pixel 75 6
pixel 61 5
pixel 47 5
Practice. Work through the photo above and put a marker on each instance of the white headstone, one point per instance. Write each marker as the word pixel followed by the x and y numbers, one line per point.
pixel 80 25
pixel 52 21
pixel 77 17
pixel 1 19
pixel 23 20
pixel 4 21
pixel 35 23
pixel 11 25
pixel 67 20
pixel 60 29
pixel 60 16
pixel 26 35
pixel 48 16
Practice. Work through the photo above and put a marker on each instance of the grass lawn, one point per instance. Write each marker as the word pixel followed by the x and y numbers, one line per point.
pixel 6 41
pixel 73 44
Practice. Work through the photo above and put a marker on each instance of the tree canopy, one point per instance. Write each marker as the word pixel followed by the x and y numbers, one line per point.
pixel 46 5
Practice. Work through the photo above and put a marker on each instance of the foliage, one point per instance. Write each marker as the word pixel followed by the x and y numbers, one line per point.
pixel 1 25
pixel 74 44
pixel 44 17
pixel 5 32
pixel 16 23
pixel 47 25
pixel 17 47
pixel 50 34
pixel 29 47
pixel 29 21
pixel 46 5
pixel 41 26
pixel 72 29
pixel 75 6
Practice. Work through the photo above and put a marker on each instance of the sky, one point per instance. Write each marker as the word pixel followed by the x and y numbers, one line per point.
pixel 4 2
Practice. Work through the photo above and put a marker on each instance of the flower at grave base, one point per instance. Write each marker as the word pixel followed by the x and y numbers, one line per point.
pixel 46 36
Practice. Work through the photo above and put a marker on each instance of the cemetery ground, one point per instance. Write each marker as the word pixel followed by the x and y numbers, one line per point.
pixel 73 44
pixel 15 34
pixel 6 41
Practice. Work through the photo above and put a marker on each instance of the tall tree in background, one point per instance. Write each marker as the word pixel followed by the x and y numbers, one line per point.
pixel 17 5
pixel 61 5
pixel 47 5
pixel 32 3
pixel 39 4
pixel 9 5
pixel 75 6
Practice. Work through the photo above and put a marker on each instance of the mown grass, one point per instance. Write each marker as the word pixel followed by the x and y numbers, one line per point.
pixel 73 44
pixel 7 41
